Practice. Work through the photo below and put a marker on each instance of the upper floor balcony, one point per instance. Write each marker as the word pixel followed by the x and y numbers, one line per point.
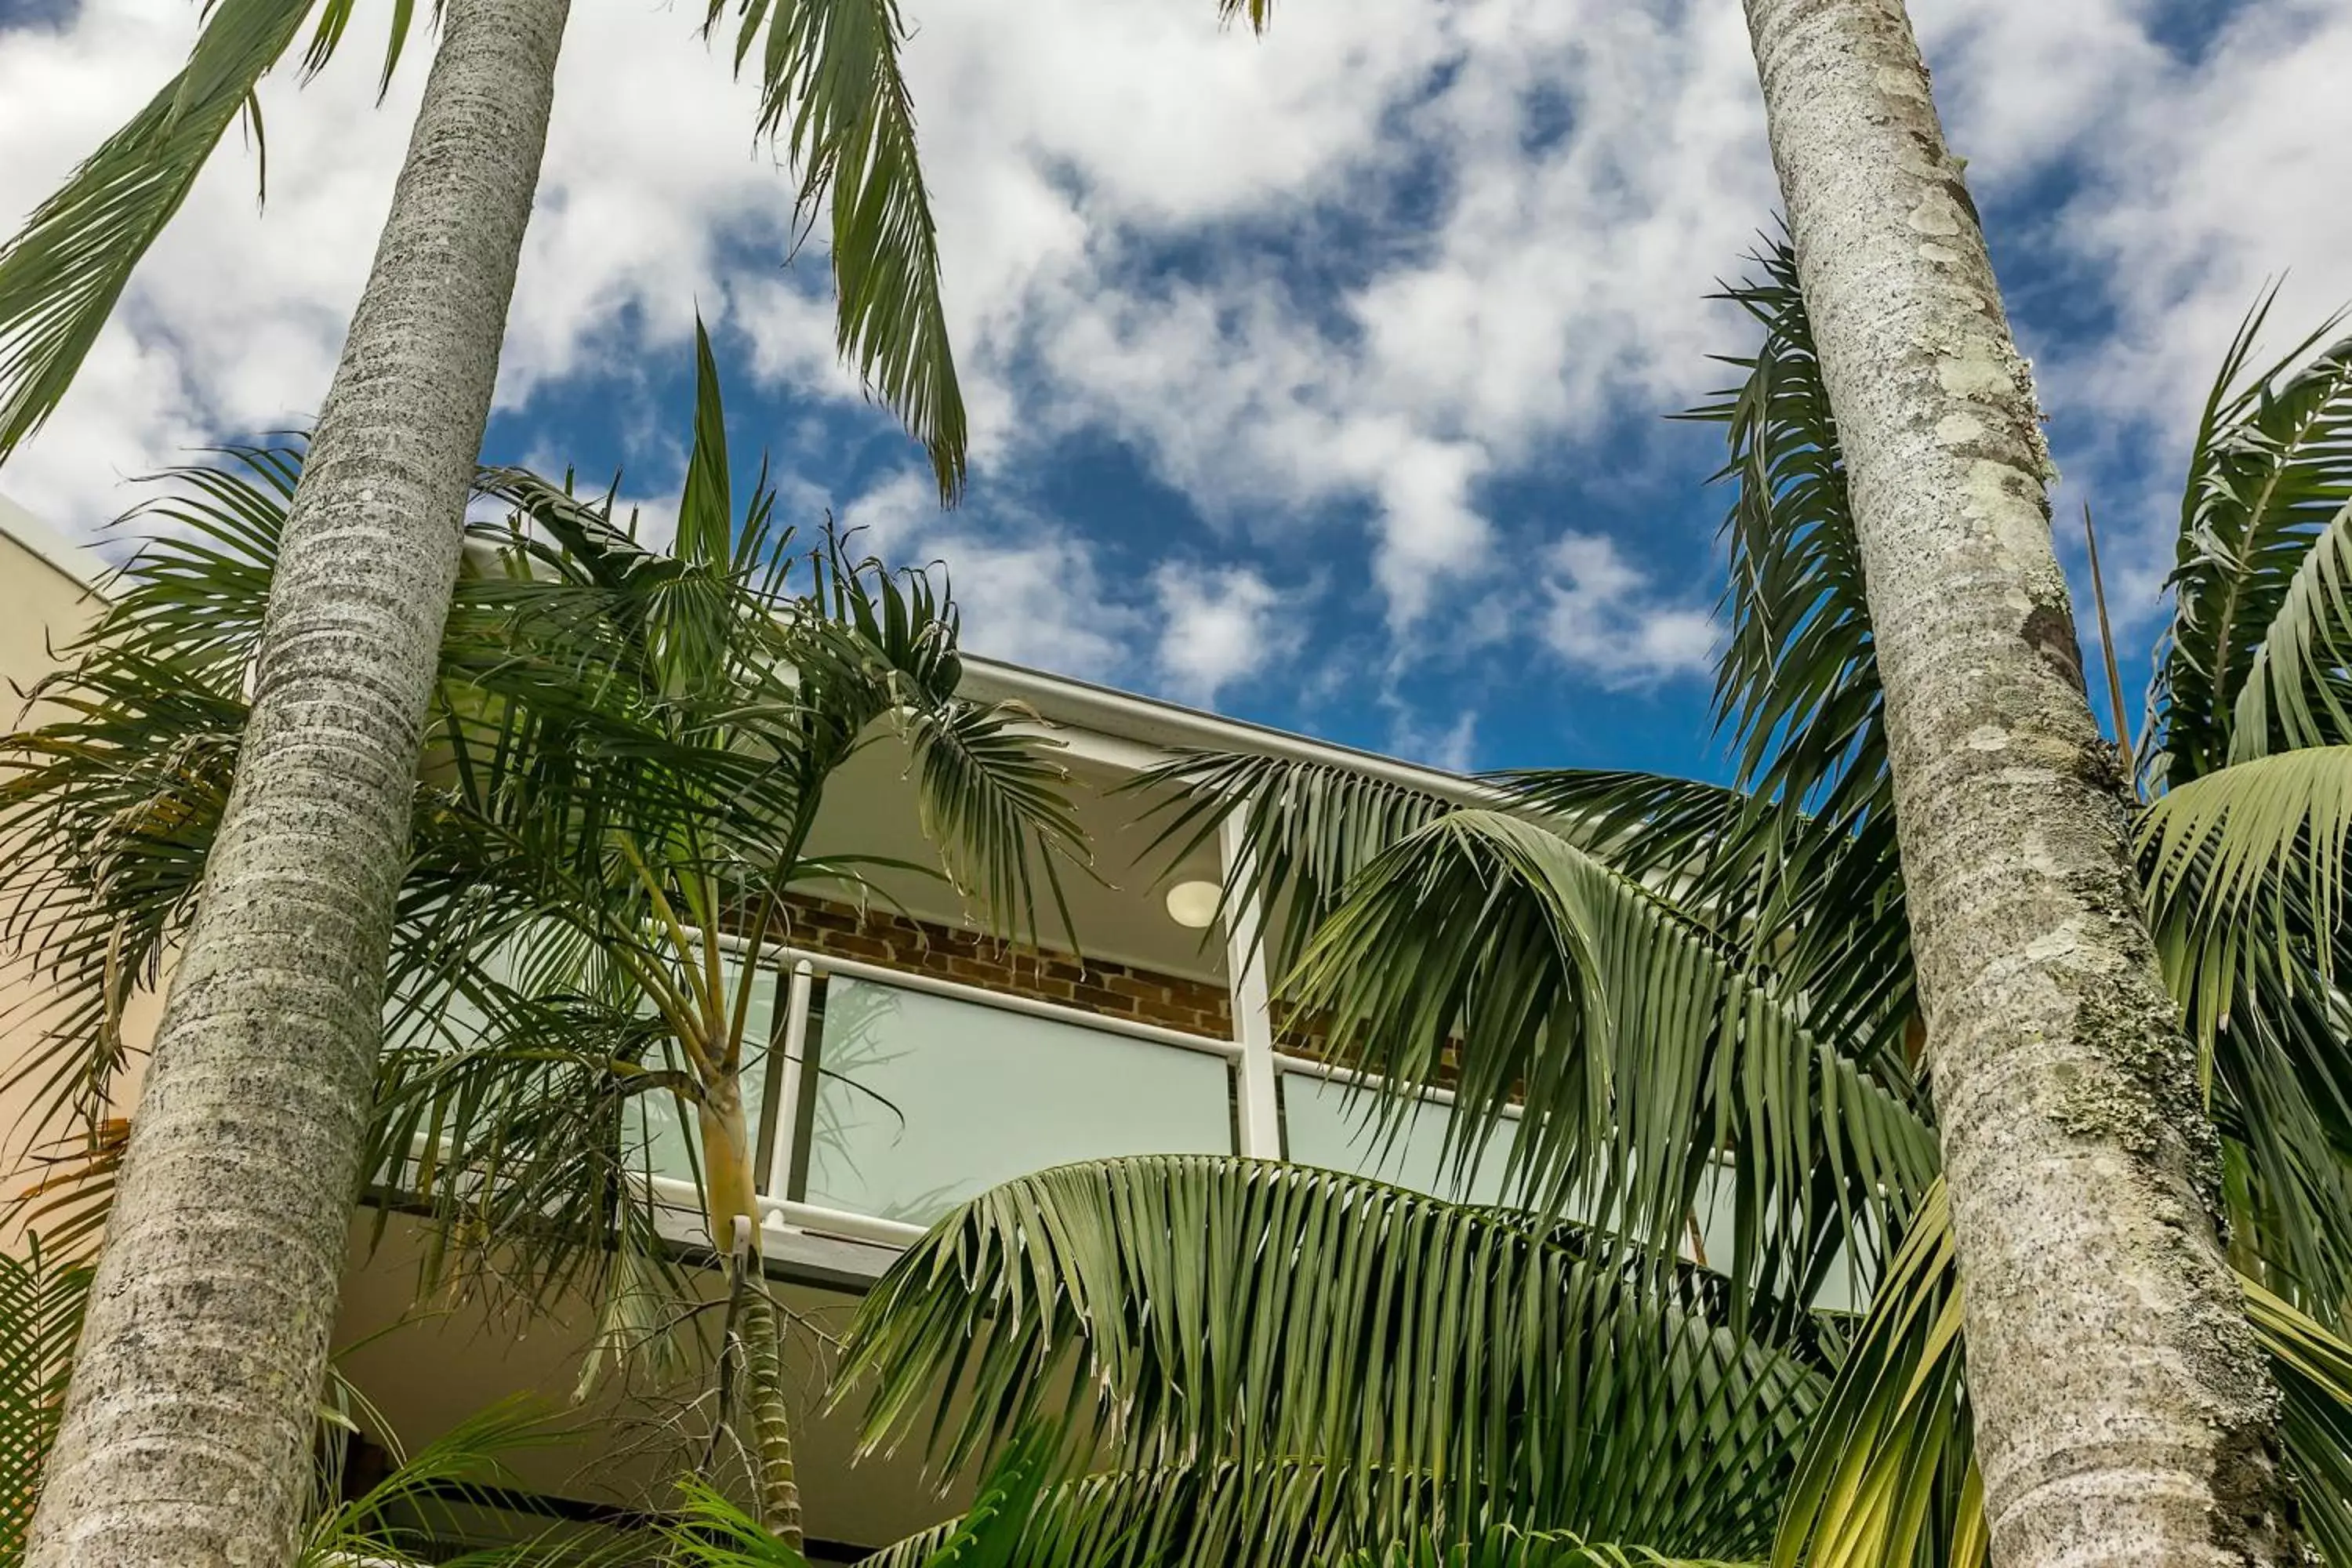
pixel 915 1060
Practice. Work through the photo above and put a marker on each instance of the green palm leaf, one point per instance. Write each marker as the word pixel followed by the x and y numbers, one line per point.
pixel 1278 1513
pixel 1890 1477
pixel 61 275
pixel 1281 1514
pixel 1888 1471
pixel 1649 1068
pixel 1311 829
pixel 41 1299
pixel 2244 869
pixel 1508 1548
pixel 996 1531
pixel 1470 1370
pixel 396 1521
pixel 831 88
pixel 1813 866
pixel 2272 468
pixel 2299 690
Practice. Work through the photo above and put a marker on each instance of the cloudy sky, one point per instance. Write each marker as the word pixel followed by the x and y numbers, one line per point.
pixel 1317 379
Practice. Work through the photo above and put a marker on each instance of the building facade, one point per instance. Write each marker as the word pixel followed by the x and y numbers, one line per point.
pixel 920 1060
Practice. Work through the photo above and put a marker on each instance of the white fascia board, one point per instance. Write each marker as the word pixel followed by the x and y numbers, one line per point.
pixel 1142 731
pixel 82 565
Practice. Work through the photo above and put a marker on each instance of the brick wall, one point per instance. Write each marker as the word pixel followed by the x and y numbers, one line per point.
pixel 1092 985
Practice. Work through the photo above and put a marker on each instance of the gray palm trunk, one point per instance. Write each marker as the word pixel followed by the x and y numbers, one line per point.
pixel 2122 1411
pixel 186 1436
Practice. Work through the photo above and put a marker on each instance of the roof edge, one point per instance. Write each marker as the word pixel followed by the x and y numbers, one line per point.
pixel 1151 721
pixel 78 562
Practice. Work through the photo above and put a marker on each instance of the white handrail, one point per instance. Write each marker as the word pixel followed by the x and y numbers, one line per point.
pixel 840 1222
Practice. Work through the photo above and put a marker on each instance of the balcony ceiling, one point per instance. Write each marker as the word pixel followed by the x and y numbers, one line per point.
pixel 1120 912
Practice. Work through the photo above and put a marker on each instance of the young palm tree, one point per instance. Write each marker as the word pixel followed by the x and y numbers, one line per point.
pixel 1693 998
pixel 626 754
pixel 635 747
pixel 187 1443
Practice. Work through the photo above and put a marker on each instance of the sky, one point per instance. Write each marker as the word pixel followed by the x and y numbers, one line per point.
pixel 1319 379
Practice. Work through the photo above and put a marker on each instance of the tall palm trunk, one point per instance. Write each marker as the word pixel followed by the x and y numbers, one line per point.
pixel 2122 1413
pixel 186 1436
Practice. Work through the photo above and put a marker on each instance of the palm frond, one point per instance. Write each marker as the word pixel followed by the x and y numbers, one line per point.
pixel 1283 1513
pixel 1889 1475
pixel 1468 1368
pixel 2272 468
pixel 1508 1548
pixel 63 272
pixel 1277 1513
pixel 992 795
pixel 2313 1368
pixel 42 1295
pixel 402 1519
pixel 2244 868
pixel 712 1532
pixel 1811 867
pixel 1647 1064
pixel 1308 831
pixel 1800 900
pixel 109 803
pixel 2282 1099
pixel 2299 690
pixel 831 88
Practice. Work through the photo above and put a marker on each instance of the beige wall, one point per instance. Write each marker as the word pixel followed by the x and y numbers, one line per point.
pixel 45 601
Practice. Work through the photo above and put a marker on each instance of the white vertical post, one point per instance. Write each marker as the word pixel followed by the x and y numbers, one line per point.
pixel 1253 1015
pixel 787 1068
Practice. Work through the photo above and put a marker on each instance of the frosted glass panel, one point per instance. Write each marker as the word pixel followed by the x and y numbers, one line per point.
pixel 1326 1123
pixel 926 1100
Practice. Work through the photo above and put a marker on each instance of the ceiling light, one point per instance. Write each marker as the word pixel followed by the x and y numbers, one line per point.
pixel 1193 905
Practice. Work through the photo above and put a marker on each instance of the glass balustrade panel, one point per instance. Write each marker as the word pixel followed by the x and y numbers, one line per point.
pixel 924 1100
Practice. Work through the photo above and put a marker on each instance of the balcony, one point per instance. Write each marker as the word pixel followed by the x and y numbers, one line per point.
pixel 898 1095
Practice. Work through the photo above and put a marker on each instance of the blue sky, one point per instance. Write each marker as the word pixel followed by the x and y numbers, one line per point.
pixel 1320 380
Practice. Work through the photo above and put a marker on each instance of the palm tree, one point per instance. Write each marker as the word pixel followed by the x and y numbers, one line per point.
pixel 187 1444
pixel 626 755
pixel 2110 1411
pixel 1671 998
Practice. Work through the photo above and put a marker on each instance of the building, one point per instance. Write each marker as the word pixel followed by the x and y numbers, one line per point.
pixel 923 1063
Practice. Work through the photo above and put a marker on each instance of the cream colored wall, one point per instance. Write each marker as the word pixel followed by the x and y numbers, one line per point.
pixel 45 601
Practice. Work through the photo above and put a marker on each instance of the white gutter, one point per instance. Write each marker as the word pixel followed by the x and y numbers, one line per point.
pixel 82 565
pixel 1167 727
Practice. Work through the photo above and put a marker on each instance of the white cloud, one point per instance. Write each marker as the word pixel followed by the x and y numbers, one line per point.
pixel 1218 625
pixel 2193 181
pixel 1031 589
pixel 1522 203
pixel 1453 748
pixel 1607 620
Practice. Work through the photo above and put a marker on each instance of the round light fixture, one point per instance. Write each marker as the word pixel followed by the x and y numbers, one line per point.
pixel 1193 905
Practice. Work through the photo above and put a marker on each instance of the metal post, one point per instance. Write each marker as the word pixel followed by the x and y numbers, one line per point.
pixel 787 1068
pixel 1253 1015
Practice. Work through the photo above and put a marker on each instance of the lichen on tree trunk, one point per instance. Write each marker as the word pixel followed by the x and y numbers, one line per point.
pixel 187 1434
pixel 2122 1411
